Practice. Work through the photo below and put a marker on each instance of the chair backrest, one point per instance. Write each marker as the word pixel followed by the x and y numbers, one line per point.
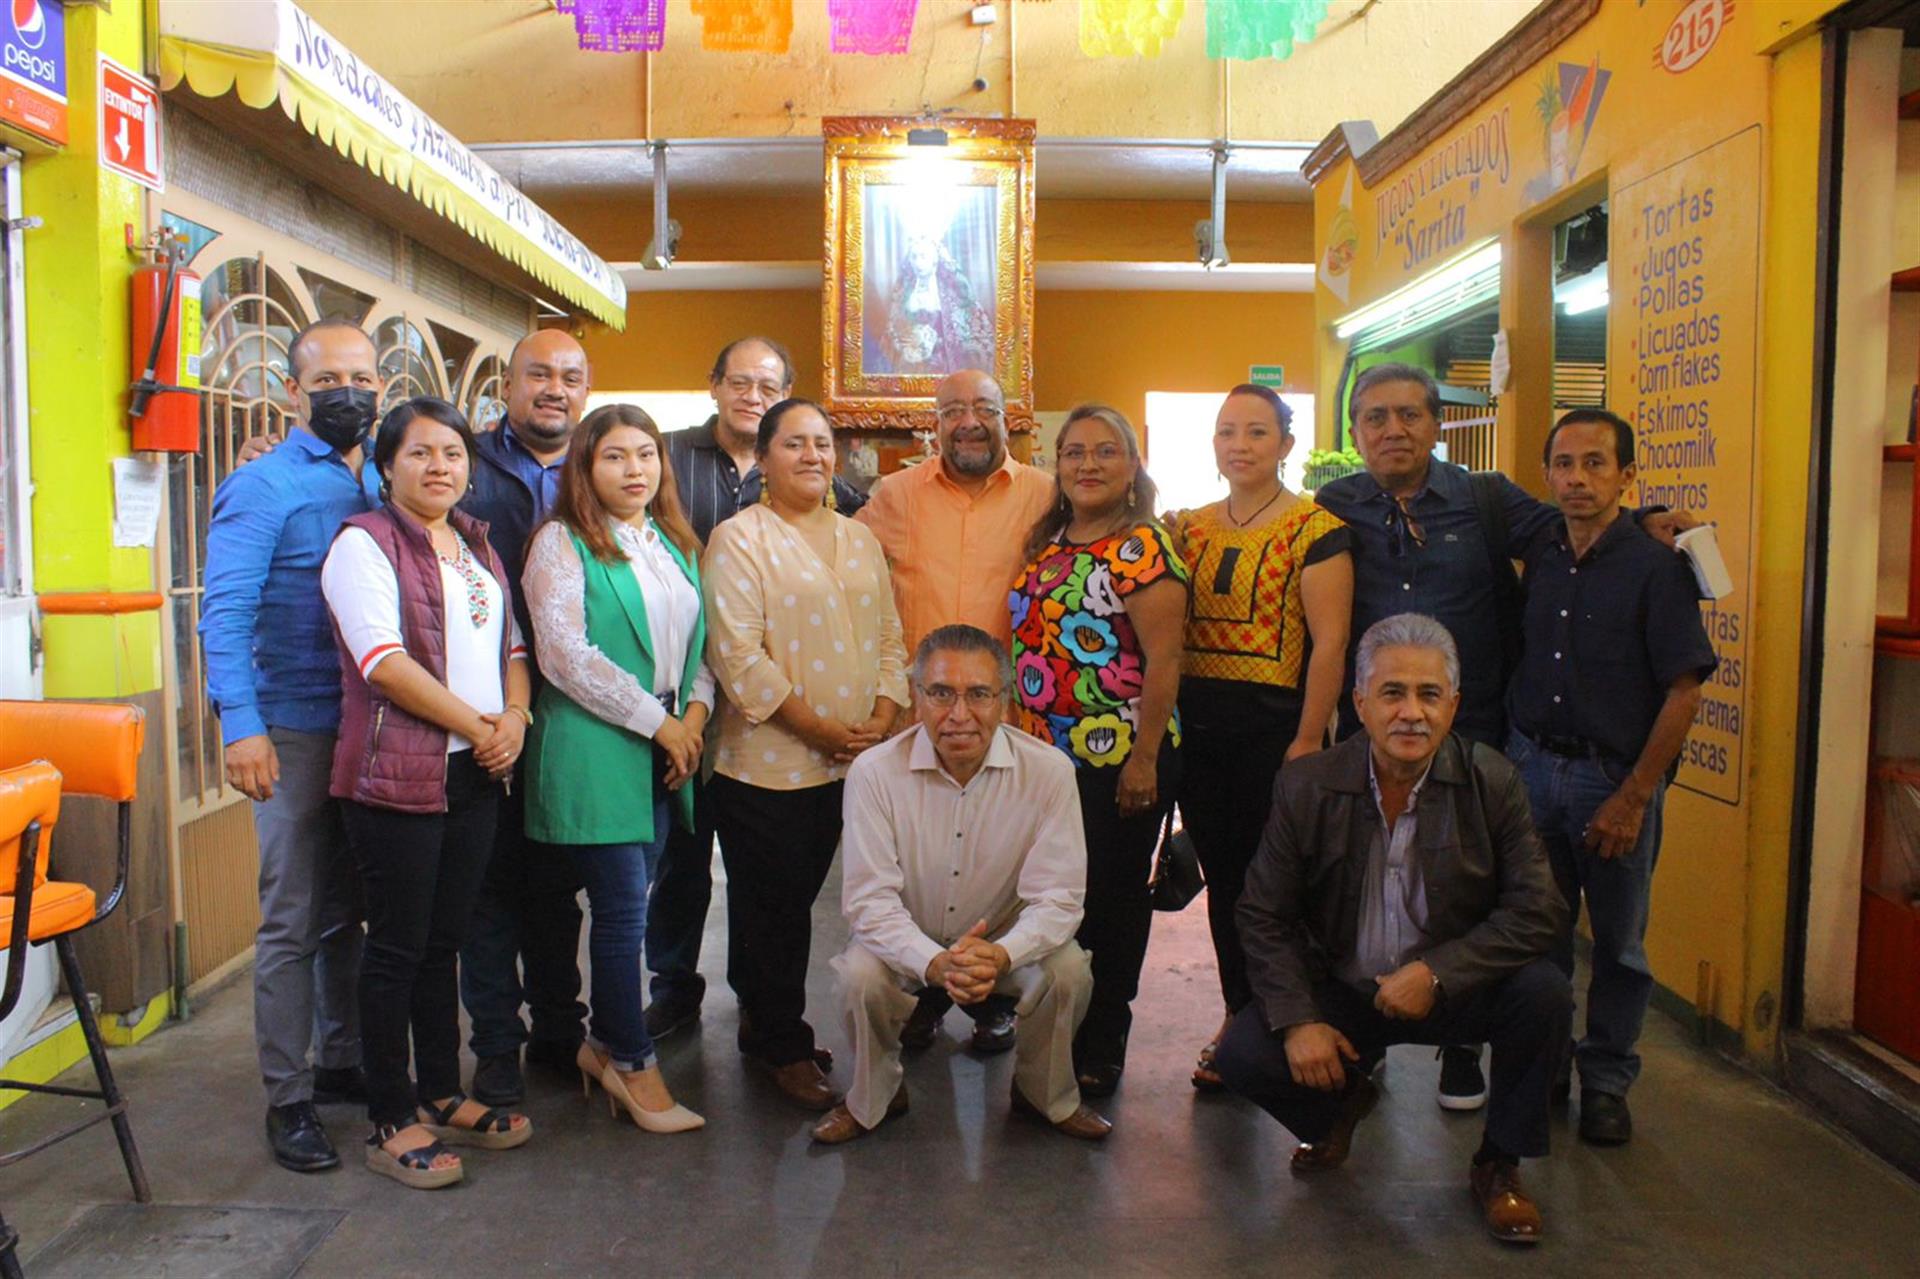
pixel 95 745
pixel 28 794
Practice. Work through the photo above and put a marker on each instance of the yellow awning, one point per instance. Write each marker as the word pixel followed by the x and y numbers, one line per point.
pixel 274 52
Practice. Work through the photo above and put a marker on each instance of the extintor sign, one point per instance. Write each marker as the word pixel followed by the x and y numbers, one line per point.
pixel 130 125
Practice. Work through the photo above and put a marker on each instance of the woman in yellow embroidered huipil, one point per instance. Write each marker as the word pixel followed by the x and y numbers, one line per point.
pixel 1266 645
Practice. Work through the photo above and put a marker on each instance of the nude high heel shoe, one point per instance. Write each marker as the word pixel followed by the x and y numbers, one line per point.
pixel 675 1118
pixel 590 1069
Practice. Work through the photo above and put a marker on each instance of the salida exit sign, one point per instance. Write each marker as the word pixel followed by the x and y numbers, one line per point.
pixel 1273 375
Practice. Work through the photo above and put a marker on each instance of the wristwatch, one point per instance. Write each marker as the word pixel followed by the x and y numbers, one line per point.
pixel 527 715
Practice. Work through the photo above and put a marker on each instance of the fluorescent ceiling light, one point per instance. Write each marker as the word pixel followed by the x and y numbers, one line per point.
pixel 1437 289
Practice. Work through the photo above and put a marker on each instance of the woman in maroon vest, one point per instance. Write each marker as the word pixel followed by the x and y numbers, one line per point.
pixel 433 715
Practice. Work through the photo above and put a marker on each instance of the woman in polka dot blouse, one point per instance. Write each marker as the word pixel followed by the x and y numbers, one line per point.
pixel 805 643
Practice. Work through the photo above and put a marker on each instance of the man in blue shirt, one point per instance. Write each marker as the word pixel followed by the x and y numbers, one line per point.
pixel 273 675
pixel 1608 683
pixel 523 947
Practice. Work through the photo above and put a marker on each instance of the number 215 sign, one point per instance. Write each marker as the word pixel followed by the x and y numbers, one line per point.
pixel 1694 32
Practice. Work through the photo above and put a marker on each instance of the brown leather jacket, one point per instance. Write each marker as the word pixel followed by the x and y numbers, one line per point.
pixel 1491 898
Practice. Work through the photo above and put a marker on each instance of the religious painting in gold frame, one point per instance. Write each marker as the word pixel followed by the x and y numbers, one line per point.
pixel 929 265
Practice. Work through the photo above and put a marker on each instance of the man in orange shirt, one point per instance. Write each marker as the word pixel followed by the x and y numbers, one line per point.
pixel 954 530
pixel 954 527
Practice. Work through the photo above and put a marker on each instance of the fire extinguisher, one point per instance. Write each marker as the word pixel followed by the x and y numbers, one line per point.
pixel 165 400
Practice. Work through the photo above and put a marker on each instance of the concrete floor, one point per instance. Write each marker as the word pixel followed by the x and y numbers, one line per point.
pixel 1726 1176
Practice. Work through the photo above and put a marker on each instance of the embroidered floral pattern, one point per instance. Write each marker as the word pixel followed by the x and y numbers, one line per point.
pixel 1078 667
pixel 462 562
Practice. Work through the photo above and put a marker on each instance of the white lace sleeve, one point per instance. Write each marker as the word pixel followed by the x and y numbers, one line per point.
pixel 556 590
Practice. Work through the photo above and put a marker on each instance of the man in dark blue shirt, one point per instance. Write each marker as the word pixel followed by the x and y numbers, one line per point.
pixel 1421 545
pixel 1608 682
pixel 273 675
pixel 523 947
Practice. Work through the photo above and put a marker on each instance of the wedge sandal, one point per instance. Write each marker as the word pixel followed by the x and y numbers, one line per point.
pixel 414 1168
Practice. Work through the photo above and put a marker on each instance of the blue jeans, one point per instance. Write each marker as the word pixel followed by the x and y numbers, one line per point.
pixel 1565 793
pixel 619 878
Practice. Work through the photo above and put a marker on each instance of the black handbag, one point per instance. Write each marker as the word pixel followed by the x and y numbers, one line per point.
pixel 1176 877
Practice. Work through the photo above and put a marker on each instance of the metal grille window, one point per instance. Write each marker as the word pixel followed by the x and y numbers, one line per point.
pixel 250 318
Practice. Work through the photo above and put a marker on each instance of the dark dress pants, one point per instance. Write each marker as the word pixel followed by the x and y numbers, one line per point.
pixel 421 873
pixel 1119 908
pixel 677 911
pixel 1526 1016
pixel 779 846
pixel 525 944
pixel 1226 793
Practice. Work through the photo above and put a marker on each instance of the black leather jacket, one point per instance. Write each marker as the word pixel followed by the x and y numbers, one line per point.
pixel 1491 899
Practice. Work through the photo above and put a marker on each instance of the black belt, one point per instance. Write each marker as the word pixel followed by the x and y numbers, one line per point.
pixel 1570 747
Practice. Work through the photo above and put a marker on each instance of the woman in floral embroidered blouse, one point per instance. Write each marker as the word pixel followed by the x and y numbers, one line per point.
pixel 804 641
pixel 1266 653
pixel 1098 614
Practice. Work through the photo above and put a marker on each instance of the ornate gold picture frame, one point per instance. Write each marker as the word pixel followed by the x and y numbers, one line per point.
pixel 929 265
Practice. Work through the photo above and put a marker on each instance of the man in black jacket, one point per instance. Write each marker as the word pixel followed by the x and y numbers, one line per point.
pixel 523 946
pixel 1400 895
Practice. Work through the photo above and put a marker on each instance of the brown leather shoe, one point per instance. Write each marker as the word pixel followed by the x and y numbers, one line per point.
pixel 1511 1215
pixel 840 1126
pixel 1082 1123
pixel 1331 1151
pixel 803 1083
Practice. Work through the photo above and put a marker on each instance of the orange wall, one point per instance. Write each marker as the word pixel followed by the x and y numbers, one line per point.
pixel 788 228
pixel 1118 346
pixel 1087 345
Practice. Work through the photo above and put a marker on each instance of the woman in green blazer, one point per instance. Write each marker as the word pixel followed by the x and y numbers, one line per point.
pixel 613 587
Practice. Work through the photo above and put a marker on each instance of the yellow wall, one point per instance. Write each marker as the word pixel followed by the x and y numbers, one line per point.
pixel 510 70
pixel 1110 346
pixel 77 373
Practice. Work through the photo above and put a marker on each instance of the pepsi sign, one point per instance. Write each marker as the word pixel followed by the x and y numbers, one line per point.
pixel 33 68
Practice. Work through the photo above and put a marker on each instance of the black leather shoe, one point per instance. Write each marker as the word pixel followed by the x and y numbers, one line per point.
pixel 1604 1119
pixel 297 1140
pixel 558 1056
pixel 924 1024
pixel 995 1031
pixel 1099 1081
pixel 497 1081
pixel 339 1086
pixel 663 1017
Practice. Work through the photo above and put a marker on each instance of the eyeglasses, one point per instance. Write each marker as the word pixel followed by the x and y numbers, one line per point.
pixel 1074 454
pixel 979 697
pixel 740 384
pixel 981 410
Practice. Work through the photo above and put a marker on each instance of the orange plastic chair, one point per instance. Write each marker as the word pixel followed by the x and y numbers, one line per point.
pixel 48 749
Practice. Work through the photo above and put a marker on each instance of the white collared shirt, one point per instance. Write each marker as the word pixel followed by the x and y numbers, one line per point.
pixel 926 858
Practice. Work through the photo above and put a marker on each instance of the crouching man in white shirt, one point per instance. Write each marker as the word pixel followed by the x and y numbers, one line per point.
pixel 964 868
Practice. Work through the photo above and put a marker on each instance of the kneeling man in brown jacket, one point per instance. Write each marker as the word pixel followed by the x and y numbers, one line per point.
pixel 1400 896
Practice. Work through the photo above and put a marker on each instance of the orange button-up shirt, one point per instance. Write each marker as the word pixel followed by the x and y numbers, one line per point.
pixel 954 555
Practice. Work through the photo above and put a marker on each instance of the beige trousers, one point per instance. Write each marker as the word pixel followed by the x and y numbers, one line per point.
pixel 1052 996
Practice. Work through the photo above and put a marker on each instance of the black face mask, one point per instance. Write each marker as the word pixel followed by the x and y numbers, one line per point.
pixel 342 415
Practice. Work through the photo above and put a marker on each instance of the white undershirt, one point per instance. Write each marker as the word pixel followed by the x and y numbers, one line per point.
pixel 363 593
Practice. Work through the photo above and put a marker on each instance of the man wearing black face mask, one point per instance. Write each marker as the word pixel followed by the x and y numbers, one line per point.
pixel 273 673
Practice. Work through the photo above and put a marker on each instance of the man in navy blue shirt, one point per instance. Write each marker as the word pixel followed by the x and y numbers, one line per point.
pixel 523 947
pixel 273 675
pixel 1608 682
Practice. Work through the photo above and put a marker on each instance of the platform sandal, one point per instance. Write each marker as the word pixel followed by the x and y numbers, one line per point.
pixel 413 1168
pixel 493 1130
